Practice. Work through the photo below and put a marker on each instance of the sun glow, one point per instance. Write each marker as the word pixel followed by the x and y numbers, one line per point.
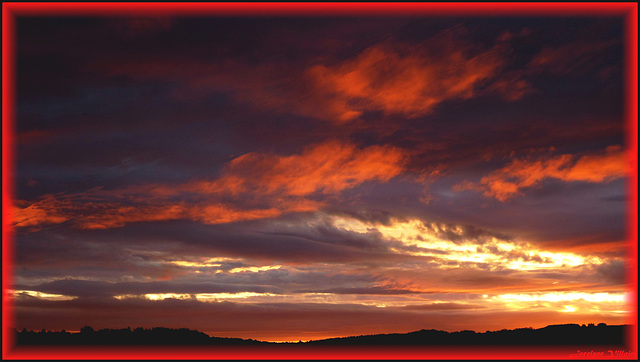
pixel 566 302
pixel 565 296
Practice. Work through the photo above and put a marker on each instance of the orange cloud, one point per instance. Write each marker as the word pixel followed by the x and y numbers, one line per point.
pixel 262 185
pixel 118 216
pixel 512 86
pixel 599 168
pixel 43 212
pixel 327 168
pixel 507 182
pixel 106 215
pixel 397 78
pixel 406 80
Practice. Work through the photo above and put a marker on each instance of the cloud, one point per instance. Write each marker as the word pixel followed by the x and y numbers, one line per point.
pixel 84 211
pixel 328 167
pixel 42 212
pixel 613 271
pixel 512 85
pixel 507 182
pixel 377 290
pixel 87 288
pixel 301 252
pixel 396 77
pixel 570 58
pixel 407 80
pixel 331 266
pixel 260 186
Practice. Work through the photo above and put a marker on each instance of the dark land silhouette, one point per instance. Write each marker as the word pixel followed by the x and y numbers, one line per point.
pixel 127 336
pixel 553 335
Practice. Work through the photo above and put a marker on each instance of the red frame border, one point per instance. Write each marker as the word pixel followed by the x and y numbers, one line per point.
pixel 628 10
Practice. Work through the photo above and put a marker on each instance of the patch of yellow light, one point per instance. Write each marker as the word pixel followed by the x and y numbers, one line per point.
pixel 516 306
pixel 409 232
pixel 511 255
pixel 162 296
pixel 43 296
pixel 195 264
pixel 255 269
pixel 377 305
pixel 202 297
pixel 477 257
pixel 211 262
pixel 564 296
pixel 567 258
pixel 209 297
pixel 551 261
pixel 222 259
pixel 566 302
pixel 128 296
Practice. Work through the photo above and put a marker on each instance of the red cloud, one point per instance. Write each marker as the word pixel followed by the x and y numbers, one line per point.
pixel 327 168
pixel 263 185
pixel 506 182
pixel 409 80
pixel 406 80
pixel 42 212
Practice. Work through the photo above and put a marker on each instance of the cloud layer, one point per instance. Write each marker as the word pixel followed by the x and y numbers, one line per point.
pixel 279 183
pixel 507 182
pixel 300 178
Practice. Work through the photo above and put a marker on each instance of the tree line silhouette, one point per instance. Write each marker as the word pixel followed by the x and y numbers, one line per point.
pixel 553 335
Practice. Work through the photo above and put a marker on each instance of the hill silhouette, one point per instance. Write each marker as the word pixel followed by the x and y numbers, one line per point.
pixel 127 336
pixel 553 335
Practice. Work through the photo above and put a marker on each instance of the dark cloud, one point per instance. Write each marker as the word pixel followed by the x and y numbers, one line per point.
pixel 85 288
pixel 614 271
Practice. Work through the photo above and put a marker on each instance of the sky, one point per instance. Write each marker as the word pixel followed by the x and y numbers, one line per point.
pixel 297 178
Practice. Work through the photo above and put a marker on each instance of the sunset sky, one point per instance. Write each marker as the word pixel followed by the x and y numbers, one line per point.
pixel 297 178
